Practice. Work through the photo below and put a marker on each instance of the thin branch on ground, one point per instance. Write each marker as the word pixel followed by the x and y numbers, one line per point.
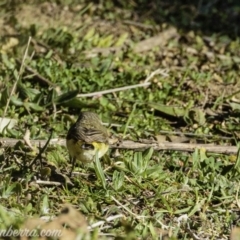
pixel 113 90
pixel 138 146
pixel 37 75
pixel 48 183
pixel 146 83
pixel 127 209
pixel 109 219
pixel 41 151
pixel 17 80
pixel 193 134
pixel 159 71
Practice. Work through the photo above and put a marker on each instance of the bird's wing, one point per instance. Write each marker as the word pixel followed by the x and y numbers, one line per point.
pixel 94 135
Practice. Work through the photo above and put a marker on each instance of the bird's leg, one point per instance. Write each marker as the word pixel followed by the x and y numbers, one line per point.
pixel 73 162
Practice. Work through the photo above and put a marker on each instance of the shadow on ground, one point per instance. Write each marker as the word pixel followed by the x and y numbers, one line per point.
pixel 208 17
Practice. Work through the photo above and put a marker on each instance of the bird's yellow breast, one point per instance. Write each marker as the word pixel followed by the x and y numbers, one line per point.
pixel 77 151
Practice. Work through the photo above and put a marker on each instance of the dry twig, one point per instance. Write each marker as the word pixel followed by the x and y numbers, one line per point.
pixel 131 145
pixel 17 80
pixel 37 75
pixel 146 83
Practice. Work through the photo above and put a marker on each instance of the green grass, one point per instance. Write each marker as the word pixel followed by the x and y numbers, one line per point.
pixel 153 193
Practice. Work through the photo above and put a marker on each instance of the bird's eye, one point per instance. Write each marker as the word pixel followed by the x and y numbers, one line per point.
pixel 87 146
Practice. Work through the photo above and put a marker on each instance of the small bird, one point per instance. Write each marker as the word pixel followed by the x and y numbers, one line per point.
pixel 86 137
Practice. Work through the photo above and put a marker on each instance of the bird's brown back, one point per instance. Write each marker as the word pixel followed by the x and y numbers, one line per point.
pixel 88 128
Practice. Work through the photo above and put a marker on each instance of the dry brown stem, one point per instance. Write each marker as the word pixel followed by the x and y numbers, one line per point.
pixel 131 145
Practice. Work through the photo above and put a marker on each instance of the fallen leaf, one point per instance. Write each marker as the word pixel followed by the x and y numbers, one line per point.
pixel 7 123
